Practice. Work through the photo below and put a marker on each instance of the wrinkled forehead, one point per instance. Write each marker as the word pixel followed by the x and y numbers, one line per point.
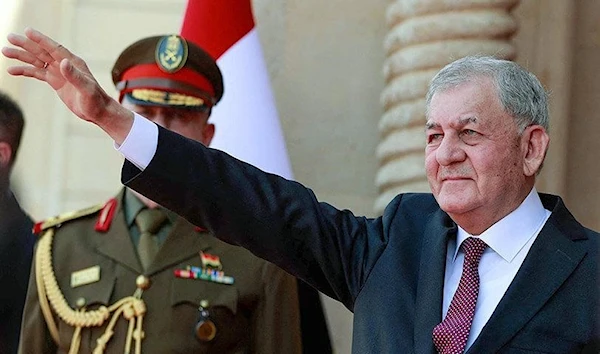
pixel 478 83
pixel 468 103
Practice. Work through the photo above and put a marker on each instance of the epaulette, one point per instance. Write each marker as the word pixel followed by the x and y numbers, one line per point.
pixel 57 220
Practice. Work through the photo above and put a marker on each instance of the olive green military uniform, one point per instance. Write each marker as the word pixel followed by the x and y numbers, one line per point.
pixel 94 270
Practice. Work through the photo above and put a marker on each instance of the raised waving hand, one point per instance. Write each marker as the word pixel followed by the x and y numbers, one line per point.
pixel 43 58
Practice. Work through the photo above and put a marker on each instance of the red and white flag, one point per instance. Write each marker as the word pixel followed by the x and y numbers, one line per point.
pixel 247 125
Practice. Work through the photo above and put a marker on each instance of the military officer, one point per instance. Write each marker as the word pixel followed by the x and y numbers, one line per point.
pixel 130 276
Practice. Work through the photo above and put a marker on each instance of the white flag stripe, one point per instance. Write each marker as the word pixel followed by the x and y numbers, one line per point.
pixel 247 125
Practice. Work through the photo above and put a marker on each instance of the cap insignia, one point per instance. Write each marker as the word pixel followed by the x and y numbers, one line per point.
pixel 171 53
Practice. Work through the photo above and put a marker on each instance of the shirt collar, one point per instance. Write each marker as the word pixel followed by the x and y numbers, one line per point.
pixel 508 236
pixel 132 206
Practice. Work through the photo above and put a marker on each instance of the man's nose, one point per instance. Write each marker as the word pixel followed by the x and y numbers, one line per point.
pixel 450 151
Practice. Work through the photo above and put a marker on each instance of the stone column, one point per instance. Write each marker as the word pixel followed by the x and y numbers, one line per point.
pixel 424 36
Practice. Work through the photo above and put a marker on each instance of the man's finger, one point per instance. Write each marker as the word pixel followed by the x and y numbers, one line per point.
pixel 53 48
pixel 22 56
pixel 28 71
pixel 30 46
pixel 73 75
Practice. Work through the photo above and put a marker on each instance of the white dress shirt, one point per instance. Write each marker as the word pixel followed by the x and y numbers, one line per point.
pixel 140 144
pixel 509 241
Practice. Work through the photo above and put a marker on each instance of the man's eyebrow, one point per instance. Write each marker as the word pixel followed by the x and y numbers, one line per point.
pixel 467 120
pixel 431 125
pixel 461 122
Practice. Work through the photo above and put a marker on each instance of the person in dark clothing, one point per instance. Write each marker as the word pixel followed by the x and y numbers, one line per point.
pixel 16 238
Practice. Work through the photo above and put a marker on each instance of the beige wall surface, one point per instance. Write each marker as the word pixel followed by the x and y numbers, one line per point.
pixel 325 60
pixel 560 42
pixel 583 167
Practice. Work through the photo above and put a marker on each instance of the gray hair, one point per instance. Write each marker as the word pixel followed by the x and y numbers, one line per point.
pixel 520 92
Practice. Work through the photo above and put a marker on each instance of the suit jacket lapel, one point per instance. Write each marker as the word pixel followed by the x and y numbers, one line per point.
pixel 116 244
pixel 183 242
pixel 428 311
pixel 551 259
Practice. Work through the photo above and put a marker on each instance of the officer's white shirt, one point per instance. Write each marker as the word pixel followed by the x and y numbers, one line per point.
pixel 509 240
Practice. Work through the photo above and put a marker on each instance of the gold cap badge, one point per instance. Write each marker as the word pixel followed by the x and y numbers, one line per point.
pixel 171 53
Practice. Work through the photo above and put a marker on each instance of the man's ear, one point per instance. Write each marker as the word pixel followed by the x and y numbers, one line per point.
pixel 208 133
pixel 5 154
pixel 534 142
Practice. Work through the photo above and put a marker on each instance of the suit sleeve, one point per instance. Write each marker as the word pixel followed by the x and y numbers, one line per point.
pixel 35 337
pixel 276 219
pixel 276 321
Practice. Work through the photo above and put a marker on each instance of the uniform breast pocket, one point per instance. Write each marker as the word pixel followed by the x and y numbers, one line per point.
pixel 91 297
pixel 220 303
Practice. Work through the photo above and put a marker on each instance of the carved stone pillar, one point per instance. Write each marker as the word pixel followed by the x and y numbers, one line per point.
pixel 424 36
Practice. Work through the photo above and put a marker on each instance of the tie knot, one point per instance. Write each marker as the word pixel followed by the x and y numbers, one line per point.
pixel 150 220
pixel 473 248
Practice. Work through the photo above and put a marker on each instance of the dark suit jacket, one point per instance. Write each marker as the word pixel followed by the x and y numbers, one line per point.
pixel 256 314
pixel 390 270
pixel 16 250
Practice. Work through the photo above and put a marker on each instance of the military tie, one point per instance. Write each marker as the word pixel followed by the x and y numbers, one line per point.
pixel 149 222
pixel 450 336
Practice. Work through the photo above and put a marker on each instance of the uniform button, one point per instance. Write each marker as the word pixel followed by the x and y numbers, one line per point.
pixel 80 302
pixel 142 282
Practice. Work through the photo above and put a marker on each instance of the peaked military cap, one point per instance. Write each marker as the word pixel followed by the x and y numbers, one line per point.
pixel 168 71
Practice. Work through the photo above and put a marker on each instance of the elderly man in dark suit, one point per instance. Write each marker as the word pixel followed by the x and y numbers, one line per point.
pixel 484 264
pixel 16 238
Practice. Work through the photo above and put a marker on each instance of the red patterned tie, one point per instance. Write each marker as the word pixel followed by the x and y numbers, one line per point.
pixel 450 336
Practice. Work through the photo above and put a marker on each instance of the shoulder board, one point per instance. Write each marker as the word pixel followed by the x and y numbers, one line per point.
pixel 57 220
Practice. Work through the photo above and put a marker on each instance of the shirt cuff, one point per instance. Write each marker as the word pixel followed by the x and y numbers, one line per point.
pixel 140 144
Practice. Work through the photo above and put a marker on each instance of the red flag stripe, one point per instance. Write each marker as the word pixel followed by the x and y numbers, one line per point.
pixel 216 25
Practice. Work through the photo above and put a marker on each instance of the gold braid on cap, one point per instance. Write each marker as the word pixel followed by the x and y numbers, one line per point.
pixel 51 298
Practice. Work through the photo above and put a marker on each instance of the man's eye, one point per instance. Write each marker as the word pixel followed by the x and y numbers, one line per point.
pixel 432 138
pixel 468 132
